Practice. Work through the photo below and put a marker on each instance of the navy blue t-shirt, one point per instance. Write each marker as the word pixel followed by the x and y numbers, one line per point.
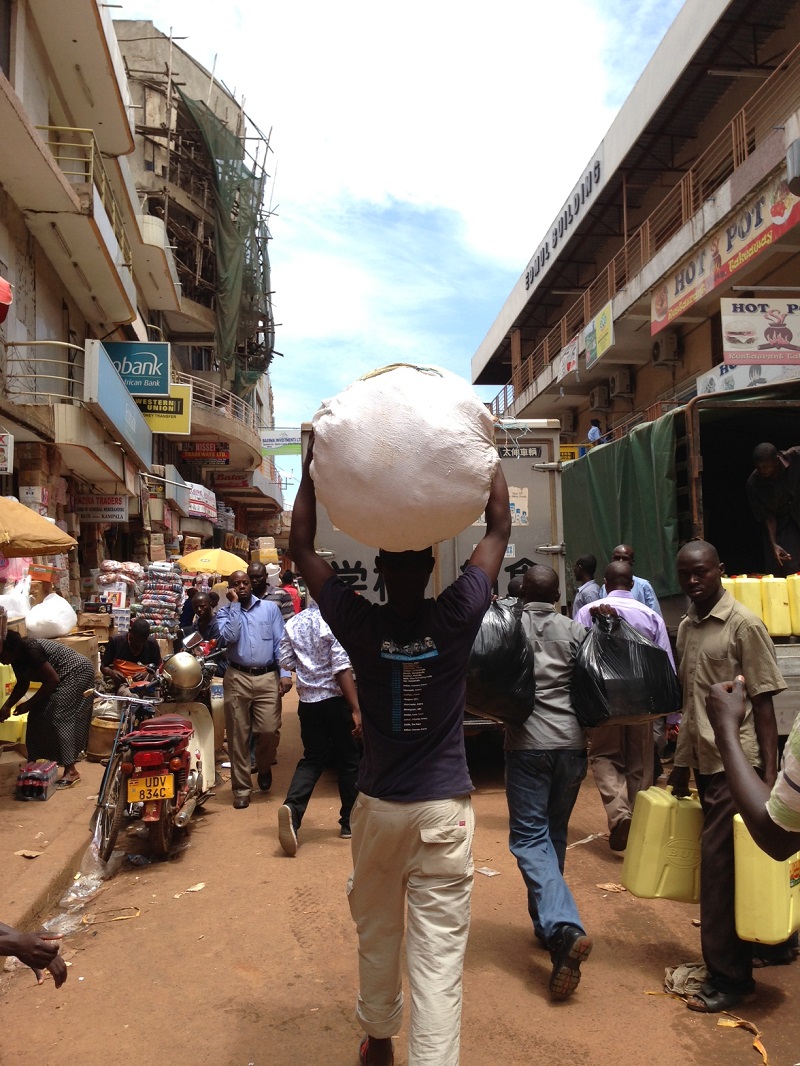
pixel 411 677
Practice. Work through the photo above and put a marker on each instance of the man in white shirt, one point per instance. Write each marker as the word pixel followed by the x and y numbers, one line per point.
pixel 330 719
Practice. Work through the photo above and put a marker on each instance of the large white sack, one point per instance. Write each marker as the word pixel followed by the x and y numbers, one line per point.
pixel 404 457
pixel 53 617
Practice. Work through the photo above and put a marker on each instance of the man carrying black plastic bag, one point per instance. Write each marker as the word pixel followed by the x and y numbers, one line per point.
pixel 619 674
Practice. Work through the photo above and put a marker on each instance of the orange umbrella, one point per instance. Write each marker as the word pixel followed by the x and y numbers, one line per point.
pixel 23 532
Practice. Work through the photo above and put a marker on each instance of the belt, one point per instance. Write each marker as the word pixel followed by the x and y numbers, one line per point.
pixel 254 671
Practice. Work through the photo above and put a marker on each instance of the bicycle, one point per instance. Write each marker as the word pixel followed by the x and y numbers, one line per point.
pixel 112 798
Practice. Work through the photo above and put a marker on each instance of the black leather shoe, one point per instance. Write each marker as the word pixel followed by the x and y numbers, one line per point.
pixel 265 781
pixel 240 802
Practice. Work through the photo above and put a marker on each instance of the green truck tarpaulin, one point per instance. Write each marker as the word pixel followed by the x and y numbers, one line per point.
pixel 625 493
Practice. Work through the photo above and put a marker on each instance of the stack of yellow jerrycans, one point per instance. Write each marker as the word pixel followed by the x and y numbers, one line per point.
pixel 662 861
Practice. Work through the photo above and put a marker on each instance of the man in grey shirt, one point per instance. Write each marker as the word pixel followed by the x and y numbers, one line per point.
pixel 545 764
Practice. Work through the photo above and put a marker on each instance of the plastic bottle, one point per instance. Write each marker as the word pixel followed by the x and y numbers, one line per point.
pixel 775 606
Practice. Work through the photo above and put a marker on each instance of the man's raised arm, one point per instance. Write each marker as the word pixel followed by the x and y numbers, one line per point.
pixel 315 570
pixel 491 551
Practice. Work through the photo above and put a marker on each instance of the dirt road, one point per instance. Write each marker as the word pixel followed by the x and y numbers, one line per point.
pixel 259 966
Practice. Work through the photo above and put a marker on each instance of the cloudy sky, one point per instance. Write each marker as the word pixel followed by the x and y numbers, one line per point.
pixel 420 152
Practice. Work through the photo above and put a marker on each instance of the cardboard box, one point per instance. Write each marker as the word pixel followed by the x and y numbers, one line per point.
pixel 158 553
pixel 35 478
pixel 156 538
pixel 87 620
pixel 265 542
pixel 84 643
pixel 264 555
pixel 192 544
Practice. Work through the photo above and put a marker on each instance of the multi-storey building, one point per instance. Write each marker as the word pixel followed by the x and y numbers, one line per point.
pixel 115 229
pixel 648 286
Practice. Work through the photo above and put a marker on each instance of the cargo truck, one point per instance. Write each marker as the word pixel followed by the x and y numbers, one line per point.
pixel 681 476
pixel 530 458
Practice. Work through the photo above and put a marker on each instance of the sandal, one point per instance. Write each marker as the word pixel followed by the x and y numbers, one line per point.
pixel 67 782
pixel 711 1000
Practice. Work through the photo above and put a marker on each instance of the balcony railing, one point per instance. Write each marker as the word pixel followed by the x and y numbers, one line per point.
pixel 33 379
pixel 773 101
pixel 207 394
pixel 77 154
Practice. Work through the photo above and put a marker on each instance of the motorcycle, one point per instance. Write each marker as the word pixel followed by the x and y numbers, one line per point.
pixel 165 765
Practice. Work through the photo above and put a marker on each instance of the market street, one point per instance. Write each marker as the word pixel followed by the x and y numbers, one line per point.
pixel 259 966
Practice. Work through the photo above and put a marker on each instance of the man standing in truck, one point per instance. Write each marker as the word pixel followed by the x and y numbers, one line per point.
pixel 719 639
pixel 773 492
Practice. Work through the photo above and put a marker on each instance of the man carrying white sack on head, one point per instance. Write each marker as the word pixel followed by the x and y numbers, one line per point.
pixel 412 823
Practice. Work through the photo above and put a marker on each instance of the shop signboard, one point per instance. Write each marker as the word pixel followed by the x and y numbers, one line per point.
pixel 202 502
pixel 169 414
pixel 731 377
pixel 229 479
pixel 761 331
pixel 106 396
pixel 142 365
pixel 6 453
pixel 280 442
pixel 599 335
pixel 769 213
pixel 568 452
pixel 105 509
pixel 206 452
pixel 568 360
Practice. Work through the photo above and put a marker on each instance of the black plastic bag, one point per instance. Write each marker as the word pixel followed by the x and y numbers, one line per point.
pixel 621 676
pixel 500 682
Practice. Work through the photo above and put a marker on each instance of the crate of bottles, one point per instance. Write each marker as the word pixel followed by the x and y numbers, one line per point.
pixel 36 780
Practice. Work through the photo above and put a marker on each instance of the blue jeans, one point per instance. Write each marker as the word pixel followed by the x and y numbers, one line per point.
pixel 541 789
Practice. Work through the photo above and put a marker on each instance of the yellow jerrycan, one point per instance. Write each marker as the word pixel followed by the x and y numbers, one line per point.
pixel 747 591
pixel 775 606
pixel 767 904
pixel 793 588
pixel 662 859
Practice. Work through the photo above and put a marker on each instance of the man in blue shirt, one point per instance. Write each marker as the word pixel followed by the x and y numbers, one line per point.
pixel 642 589
pixel 252 630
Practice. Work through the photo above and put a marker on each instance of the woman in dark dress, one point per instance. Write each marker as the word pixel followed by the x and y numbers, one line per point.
pixel 59 714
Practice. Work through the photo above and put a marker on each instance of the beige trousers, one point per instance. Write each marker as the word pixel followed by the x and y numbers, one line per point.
pixel 412 868
pixel 621 758
pixel 251 703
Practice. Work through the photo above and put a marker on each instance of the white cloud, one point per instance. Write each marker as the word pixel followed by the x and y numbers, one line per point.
pixel 422 150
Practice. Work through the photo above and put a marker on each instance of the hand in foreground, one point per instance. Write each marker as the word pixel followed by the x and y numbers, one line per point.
pixel 285 685
pixel 232 595
pixel 678 781
pixel 40 952
pixel 781 555
pixel 725 705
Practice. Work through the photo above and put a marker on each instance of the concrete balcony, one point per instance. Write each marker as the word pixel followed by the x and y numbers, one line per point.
pixel 218 415
pixel 154 266
pixel 87 65
pixel 56 178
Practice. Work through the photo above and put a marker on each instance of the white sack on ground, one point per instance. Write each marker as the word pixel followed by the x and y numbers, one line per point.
pixel 404 457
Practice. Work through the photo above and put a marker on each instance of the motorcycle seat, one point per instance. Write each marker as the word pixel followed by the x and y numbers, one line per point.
pixel 166 722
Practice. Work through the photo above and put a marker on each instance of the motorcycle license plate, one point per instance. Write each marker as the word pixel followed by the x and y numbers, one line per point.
pixel 150 787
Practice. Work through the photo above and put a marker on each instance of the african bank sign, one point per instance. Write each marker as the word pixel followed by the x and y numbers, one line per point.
pixel 143 366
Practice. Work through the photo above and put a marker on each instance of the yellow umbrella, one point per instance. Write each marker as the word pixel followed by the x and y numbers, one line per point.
pixel 23 532
pixel 212 561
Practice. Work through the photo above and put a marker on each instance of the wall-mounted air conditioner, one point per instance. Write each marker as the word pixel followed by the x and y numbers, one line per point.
pixel 567 419
pixel 598 398
pixel 666 349
pixel 620 383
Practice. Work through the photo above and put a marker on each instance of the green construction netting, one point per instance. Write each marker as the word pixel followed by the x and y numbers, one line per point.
pixel 624 493
pixel 244 310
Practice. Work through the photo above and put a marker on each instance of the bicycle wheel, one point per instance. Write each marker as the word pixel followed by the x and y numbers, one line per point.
pixel 111 806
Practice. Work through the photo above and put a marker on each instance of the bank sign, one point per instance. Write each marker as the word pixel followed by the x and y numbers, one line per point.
pixel 144 367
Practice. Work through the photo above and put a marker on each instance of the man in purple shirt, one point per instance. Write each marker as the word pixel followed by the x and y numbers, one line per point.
pixel 621 756
pixel 412 823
